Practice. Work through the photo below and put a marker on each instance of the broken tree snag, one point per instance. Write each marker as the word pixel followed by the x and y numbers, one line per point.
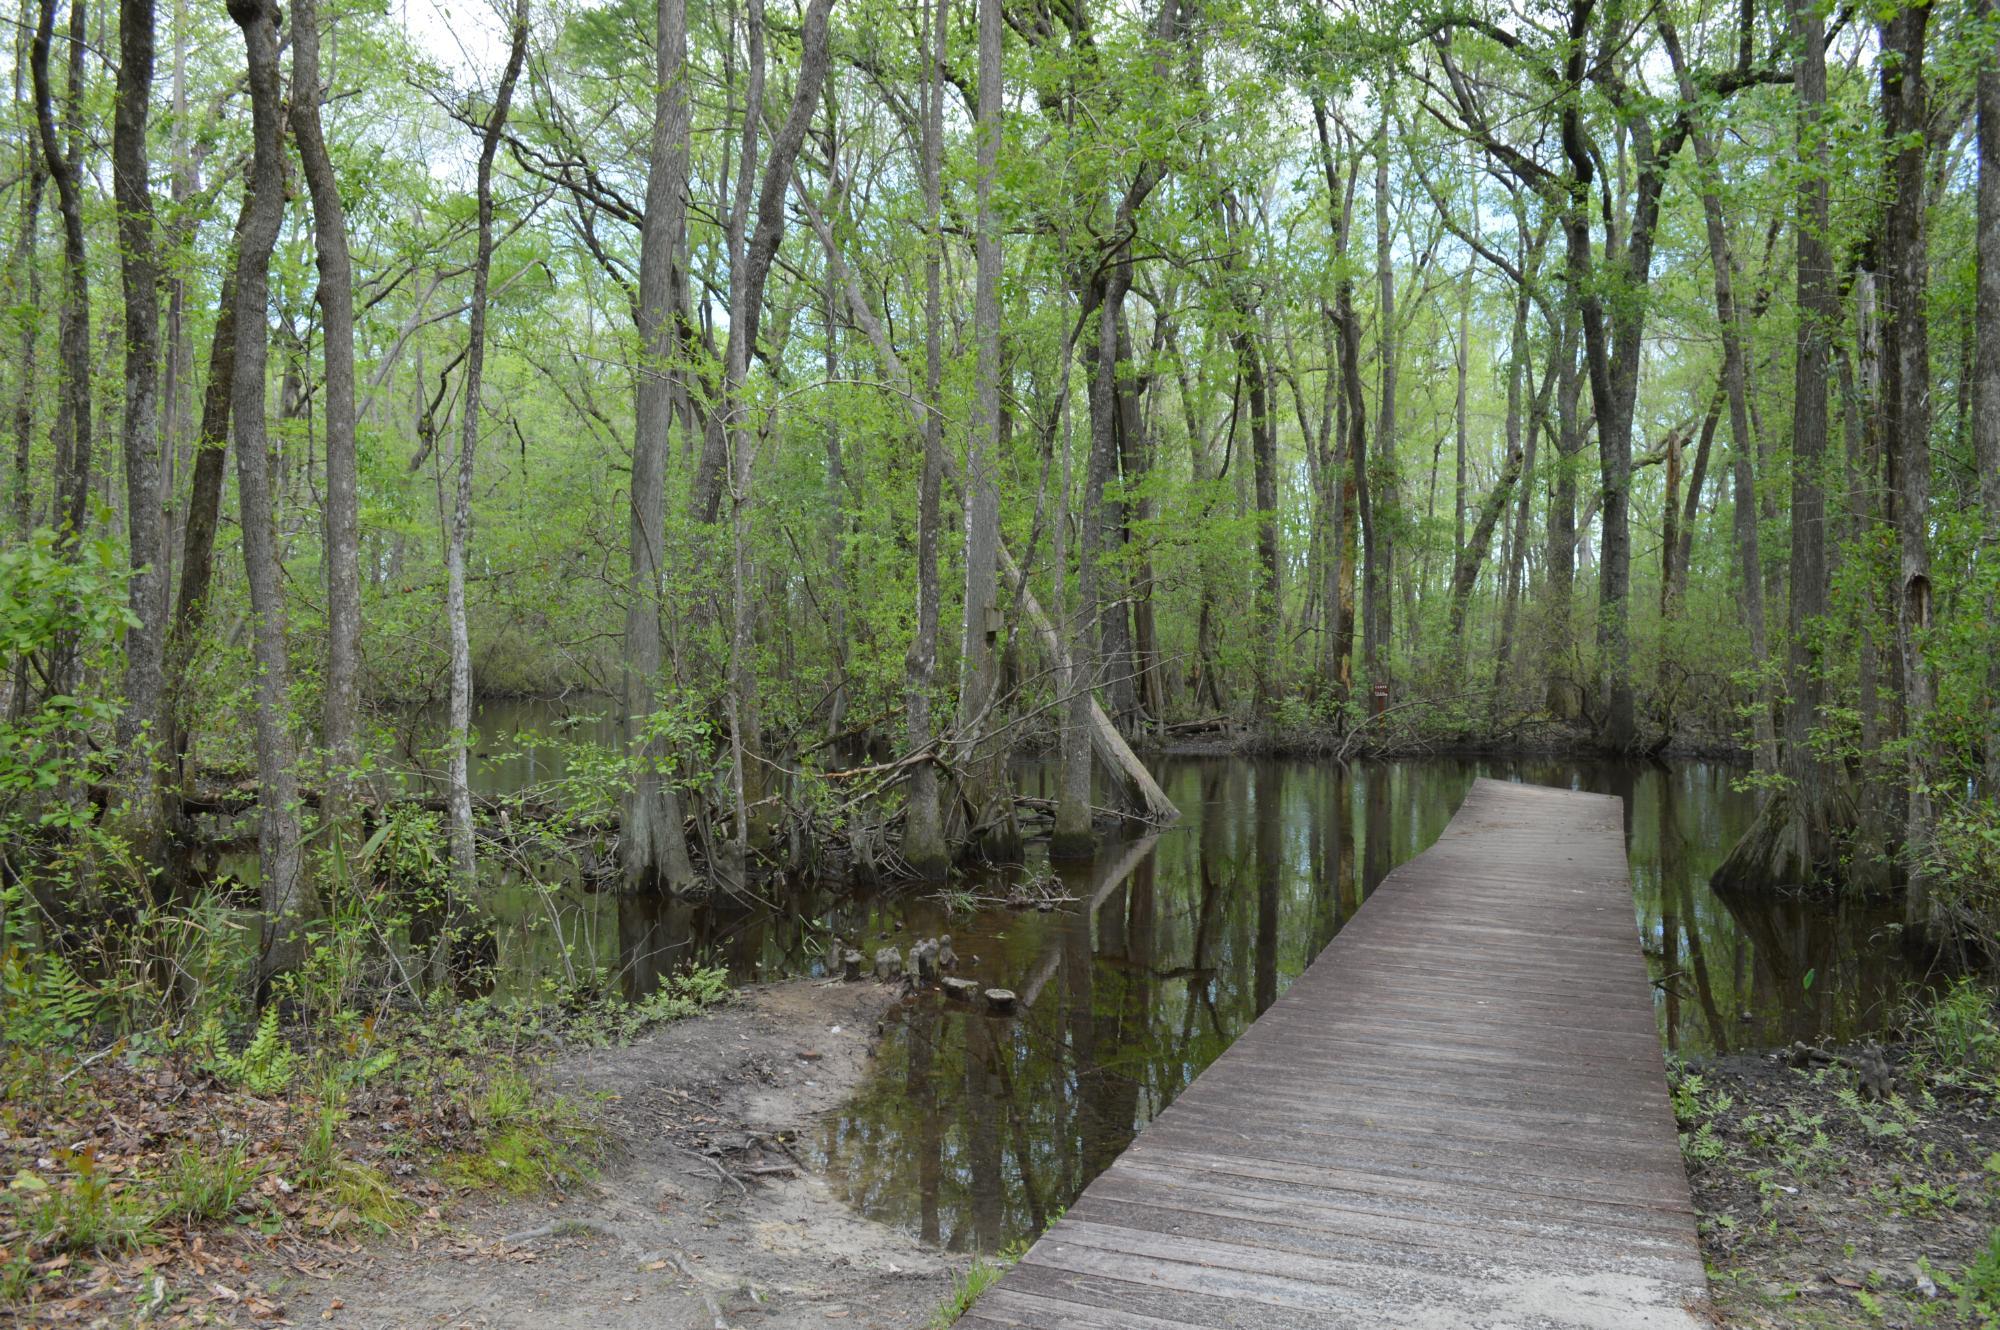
pixel 1139 794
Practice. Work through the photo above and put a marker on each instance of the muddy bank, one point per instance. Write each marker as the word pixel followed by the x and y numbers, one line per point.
pixel 700 1215
pixel 1821 1205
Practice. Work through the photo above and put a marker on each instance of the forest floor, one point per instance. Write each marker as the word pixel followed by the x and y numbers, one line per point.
pixel 1819 1207
pixel 699 1216
pixel 605 1181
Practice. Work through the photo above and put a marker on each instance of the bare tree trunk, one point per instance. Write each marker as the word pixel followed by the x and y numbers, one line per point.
pixel 1472 553
pixel 1522 430
pixel 211 455
pixel 923 846
pixel 1735 381
pixel 1459 414
pixel 1986 384
pixel 1907 426
pixel 24 287
pixel 70 433
pixel 746 308
pixel 986 791
pixel 343 512
pixel 464 859
pixel 652 842
pixel 283 886
pixel 1383 507
pixel 1072 837
pixel 139 728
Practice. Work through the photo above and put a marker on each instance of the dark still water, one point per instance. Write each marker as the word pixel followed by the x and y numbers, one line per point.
pixel 974 1129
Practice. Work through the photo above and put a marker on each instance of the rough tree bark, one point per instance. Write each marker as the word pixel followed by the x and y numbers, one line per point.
pixel 24 290
pixel 991 810
pixel 1906 424
pixel 1986 380
pixel 139 728
pixel 1803 830
pixel 652 842
pixel 282 877
pixel 1377 631
pixel 70 431
pixel 343 513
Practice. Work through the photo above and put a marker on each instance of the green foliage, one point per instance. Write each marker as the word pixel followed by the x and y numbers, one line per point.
pixel 1964 864
pixel 43 1002
pixel 86 1212
pixel 1977 1287
pixel 1957 1034
pixel 264 1067
pixel 51 598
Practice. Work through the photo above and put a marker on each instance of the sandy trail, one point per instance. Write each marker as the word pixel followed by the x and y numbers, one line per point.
pixel 699 1217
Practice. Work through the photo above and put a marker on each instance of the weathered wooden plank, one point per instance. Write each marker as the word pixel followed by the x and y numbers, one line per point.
pixel 1457 1117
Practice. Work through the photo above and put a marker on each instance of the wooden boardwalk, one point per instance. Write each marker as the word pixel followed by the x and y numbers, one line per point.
pixel 1456 1118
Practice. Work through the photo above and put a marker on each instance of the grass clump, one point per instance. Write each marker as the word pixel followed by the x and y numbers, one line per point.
pixel 525 1141
pixel 202 1186
pixel 965 1290
pixel 1956 1037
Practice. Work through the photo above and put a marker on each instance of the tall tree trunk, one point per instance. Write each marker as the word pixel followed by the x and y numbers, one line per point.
pixel 1907 420
pixel 464 857
pixel 1263 457
pixel 1472 553
pixel 1564 693
pixel 343 511
pixel 1459 421
pixel 70 433
pixel 283 886
pixel 1986 383
pixel 1350 429
pixel 1072 836
pixel 204 513
pixel 923 846
pixel 1522 431
pixel 756 251
pixel 24 284
pixel 140 728
pixel 1735 380
pixel 987 795
pixel 1815 806
pixel 1383 507
pixel 652 842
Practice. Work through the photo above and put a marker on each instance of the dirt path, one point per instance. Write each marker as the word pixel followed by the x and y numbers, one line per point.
pixel 699 1218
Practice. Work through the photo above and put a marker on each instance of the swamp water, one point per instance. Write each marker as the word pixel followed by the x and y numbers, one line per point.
pixel 974 1130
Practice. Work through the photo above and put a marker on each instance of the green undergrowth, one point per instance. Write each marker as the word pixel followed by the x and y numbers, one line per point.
pixel 1860 1187
pixel 128 1136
